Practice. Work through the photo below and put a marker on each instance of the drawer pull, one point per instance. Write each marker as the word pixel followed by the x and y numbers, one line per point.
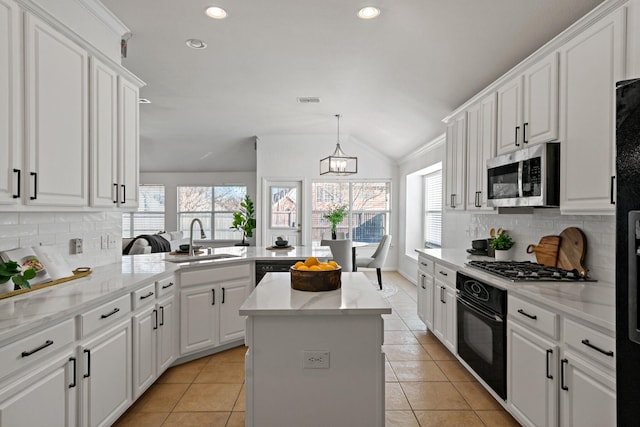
pixel 563 363
pixel 75 373
pixel 167 286
pixel 549 353
pixel 114 311
pixel 150 294
pixel 443 273
pixel 524 313
pixel 424 263
pixel 596 348
pixel 46 344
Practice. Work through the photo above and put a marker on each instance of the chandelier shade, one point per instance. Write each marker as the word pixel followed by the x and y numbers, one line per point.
pixel 338 163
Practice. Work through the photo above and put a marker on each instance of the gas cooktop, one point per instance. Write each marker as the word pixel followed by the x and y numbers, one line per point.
pixel 527 271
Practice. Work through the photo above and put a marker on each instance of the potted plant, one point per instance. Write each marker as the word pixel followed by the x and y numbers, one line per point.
pixel 11 274
pixel 335 216
pixel 502 244
pixel 245 220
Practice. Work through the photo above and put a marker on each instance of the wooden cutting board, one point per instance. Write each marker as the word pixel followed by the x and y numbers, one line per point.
pixel 573 248
pixel 546 250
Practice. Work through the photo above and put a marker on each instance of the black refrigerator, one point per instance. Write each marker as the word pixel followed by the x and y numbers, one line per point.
pixel 627 201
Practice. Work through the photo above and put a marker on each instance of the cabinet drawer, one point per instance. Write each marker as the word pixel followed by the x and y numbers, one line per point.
pixel 446 275
pixel 165 286
pixel 426 265
pixel 143 296
pixel 104 315
pixel 212 275
pixel 21 354
pixel 595 345
pixel 534 316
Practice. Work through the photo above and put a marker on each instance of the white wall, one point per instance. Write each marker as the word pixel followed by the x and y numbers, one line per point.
pixel 297 157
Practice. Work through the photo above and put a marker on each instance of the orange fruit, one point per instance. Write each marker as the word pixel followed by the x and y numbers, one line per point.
pixel 302 268
pixel 311 261
pixel 333 263
pixel 315 268
pixel 298 264
pixel 324 266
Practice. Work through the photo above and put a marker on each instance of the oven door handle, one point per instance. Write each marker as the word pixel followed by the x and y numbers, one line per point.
pixel 481 312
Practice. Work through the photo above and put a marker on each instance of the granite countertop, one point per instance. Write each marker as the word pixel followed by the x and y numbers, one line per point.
pixel 274 296
pixel 253 253
pixel 591 301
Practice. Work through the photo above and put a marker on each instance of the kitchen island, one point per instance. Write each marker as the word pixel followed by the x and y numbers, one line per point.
pixel 315 358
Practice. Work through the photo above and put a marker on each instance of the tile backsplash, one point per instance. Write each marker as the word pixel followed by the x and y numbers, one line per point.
pixel 25 229
pixel 460 228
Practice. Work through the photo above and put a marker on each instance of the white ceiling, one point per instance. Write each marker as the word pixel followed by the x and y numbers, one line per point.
pixel 393 79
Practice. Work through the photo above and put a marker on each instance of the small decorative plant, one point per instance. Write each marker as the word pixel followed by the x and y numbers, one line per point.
pixel 502 242
pixel 245 219
pixel 335 216
pixel 12 270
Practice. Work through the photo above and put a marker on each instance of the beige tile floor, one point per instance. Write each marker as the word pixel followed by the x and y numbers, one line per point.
pixel 425 385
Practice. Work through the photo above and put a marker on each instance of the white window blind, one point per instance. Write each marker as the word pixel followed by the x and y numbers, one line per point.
pixel 149 218
pixel 433 209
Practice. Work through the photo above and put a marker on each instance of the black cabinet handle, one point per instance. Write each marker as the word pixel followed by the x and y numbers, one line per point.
pixel 442 298
pixel 46 344
pixel 443 273
pixel 115 193
pixel 524 133
pixel 16 196
pixel 111 313
pixel 167 286
pixel 563 362
pixel 150 294
pixel 549 353
pixel 161 316
pixel 88 352
pixel 453 200
pixel 155 315
pixel 35 185
pixel 613 179
pixel 596 348
pixel 213 301
pixel 223 295
pixel 423 277
pixel 478 199
pixel 524 313
pixel 124 194
pixel 517 129
pixel 75 372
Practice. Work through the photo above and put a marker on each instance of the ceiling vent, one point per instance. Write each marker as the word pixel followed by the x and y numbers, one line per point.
pixel 308 100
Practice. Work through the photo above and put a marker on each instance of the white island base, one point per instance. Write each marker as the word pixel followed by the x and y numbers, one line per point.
pixel 315 358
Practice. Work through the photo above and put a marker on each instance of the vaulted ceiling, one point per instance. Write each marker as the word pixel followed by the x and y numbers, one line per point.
pixel 392 78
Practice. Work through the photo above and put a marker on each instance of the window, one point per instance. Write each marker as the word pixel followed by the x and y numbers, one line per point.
pixel 149 218
pixel 433 209
pixel 214 206
pixel 369 205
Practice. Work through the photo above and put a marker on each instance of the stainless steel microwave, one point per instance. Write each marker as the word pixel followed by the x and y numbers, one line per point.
pixel 527 177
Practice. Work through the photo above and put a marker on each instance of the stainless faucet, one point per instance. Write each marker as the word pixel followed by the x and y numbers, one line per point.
pixel 202 235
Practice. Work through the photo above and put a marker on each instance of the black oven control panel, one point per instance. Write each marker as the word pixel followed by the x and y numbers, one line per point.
pixel 482 293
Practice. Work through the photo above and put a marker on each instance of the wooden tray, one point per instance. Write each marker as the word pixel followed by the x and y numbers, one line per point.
pixel 279 248
pixel 77 274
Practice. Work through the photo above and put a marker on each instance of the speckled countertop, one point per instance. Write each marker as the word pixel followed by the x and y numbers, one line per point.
pixel 591 301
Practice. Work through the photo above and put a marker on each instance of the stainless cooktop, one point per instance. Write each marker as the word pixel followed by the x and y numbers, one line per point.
pixel 527 271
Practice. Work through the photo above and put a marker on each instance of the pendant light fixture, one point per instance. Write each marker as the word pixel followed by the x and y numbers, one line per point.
pixel 338 163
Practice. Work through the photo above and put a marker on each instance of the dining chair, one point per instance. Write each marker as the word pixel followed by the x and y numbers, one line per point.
pixel 378 258
pixel 341 252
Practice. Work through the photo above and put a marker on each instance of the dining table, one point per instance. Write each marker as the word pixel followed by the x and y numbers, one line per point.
pixel 354 246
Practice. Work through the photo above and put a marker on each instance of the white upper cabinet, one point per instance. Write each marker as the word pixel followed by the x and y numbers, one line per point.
pixel 587 115
pixel 455 162
pixel 10 112
pixel 528 107
pixel 128 132
pixel 57 139
pixel 481 146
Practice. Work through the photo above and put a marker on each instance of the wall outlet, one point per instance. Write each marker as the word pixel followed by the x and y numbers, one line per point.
pixel 111 241
pixel 104 241
pixel 76 246
pixel 315 359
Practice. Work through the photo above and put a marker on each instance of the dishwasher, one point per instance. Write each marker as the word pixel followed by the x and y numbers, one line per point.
pixel 273 266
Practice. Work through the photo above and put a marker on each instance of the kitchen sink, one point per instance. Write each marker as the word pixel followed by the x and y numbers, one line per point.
pixel 203 257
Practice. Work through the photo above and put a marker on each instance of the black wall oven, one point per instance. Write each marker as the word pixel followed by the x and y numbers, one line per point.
pixel 482 330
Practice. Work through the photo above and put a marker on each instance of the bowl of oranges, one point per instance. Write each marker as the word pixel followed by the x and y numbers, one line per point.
pixel 315 276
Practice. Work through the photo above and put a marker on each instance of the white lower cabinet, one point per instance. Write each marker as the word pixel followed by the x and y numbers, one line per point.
pixel 46 396
pixel 145 338
pixel 444 316
pixel 105 375
pixel 425 299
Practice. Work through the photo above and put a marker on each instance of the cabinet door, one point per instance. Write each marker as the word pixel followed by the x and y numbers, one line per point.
pixel 129 144
pixel 588 113
pixel 455 163
pixel 104 135
pixel 474 147
pixel 57 120
pixel 532 376
pixel 232 325
pixel 439 311
pixel 450 331
pixel 510 116
pixel 10 95
pixel 590 395
pixel 541 101
pixel 145 327
pixel 199 318
pixel 429 301
pixel 422 290
pixel 167 333
pixel 106 376
pixel 45 396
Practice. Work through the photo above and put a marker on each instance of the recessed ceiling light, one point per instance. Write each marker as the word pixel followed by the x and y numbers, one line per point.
pixel 143 101
pixel 196 44
pixel 368 12
pixel 216 12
